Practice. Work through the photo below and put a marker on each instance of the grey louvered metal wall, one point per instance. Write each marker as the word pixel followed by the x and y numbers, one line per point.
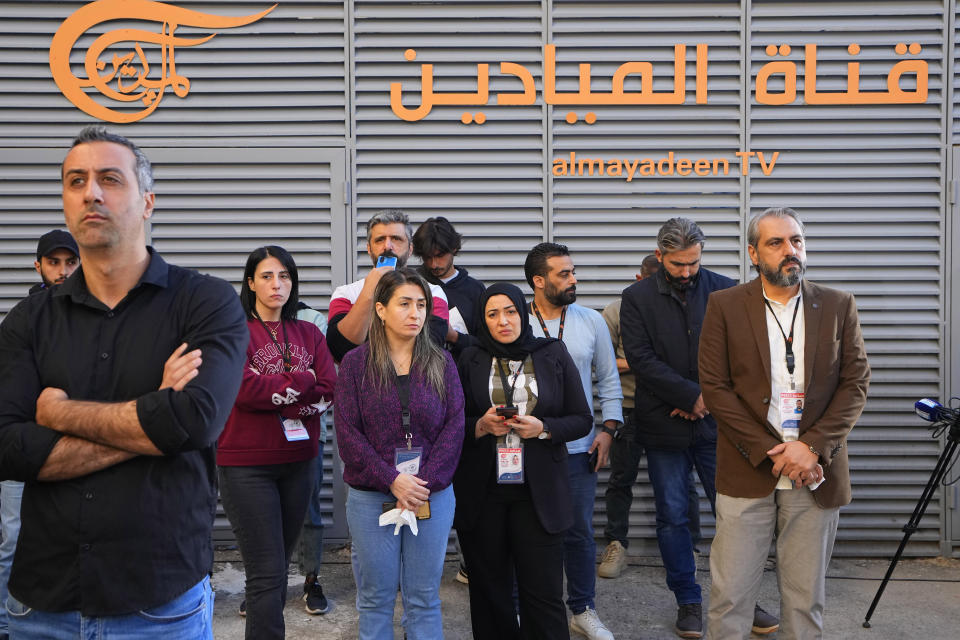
pixel 243 159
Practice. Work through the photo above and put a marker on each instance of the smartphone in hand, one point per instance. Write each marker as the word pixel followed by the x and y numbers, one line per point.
pixel 387 261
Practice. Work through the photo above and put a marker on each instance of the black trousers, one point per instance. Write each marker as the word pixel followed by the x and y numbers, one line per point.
pixel 266 506
pixel 508 540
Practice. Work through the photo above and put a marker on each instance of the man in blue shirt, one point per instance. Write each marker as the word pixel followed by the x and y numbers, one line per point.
pixel 550 273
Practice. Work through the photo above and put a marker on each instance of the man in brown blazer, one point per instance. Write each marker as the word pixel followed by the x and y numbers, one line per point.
pixel 781 464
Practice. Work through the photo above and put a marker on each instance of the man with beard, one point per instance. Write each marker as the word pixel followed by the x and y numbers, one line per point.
pixel 351 305
pixel 57 258
pixel 770 348
pixel 660 320
pixel 437 243
pixel 551 274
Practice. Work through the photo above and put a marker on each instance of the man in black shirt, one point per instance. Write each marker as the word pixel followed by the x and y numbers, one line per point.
pixel 57 259
pixel 112 434
pixel 436 243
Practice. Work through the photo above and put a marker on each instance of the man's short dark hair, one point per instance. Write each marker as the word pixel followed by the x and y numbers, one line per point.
pixel 649 266
pixel 390 216
pixel 536 262
pixel 436 236
pixel 99 133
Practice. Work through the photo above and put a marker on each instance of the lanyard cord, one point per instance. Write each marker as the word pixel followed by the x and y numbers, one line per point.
pixel 284 351
pixel 787 340
pixel 508 389
pixel 543 325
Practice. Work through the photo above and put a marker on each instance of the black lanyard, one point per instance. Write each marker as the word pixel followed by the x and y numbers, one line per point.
pixel 787 340
pixel 508 388
pixel 403 394
pixel 284 351
pixel 543 325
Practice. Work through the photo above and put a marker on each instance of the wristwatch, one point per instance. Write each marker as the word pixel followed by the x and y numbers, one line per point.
pixel 543 435
pixel 613 433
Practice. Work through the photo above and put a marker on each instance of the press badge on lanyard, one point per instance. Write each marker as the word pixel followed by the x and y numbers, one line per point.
pixel 791 410
pixel 293 429
pixel 510 460
pixel 407 459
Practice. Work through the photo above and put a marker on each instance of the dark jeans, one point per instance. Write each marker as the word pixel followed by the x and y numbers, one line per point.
pixel 509 540
pixel 625 454
pixel 266 506
pixel 669 471
pixel 311 541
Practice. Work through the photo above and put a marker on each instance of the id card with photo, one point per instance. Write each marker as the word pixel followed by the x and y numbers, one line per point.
pixel 510 465
pixel 791 410
pixel 408 460
pixel 293 429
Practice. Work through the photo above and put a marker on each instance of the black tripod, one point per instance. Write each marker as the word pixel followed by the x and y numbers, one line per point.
pixel 943 465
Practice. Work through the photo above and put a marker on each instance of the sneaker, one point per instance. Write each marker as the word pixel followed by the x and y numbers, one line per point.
pixel 763 622
pixel 588 623
pixel 243 609
pixel 613 560
pixel 462 576
pixel 313 596
pixel 690 620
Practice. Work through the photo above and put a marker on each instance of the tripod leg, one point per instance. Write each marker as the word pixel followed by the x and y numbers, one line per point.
pixel 943 463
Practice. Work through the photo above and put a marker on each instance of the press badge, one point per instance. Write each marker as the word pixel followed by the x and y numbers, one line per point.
pixel 408 460
pixel 510 460
pixel 791 410
pixel 293 429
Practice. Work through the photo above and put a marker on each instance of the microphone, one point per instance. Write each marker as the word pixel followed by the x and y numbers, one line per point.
pixel 932 411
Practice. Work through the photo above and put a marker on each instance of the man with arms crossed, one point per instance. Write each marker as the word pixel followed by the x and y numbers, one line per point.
pixel 112 434
pixel 56 260
pixel 765 345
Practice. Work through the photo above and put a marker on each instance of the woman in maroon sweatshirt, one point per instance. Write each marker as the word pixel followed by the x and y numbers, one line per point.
pixel 265 450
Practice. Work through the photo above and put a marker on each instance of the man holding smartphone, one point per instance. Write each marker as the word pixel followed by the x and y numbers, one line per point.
pixel 550 273
pixel 351 305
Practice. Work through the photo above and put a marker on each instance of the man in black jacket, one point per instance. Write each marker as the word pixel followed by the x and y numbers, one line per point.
pixel 660 320
pixel 437 243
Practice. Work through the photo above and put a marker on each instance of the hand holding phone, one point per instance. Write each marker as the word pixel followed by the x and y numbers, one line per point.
pixel 387 261
pixel 507 411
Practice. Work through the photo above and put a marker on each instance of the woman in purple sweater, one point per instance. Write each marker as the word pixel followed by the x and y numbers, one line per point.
pixel 399 430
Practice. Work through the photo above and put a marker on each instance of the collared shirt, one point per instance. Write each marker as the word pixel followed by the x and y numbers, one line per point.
pixel 137 534
pixel 779 375
pixel 587 339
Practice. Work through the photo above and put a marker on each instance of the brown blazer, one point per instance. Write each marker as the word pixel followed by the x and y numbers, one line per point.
pixel 734 362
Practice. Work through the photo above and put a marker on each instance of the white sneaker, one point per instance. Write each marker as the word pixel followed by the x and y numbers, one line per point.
pixel 588 623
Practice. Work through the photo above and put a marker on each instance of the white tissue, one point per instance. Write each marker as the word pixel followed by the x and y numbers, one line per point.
pixel 399 518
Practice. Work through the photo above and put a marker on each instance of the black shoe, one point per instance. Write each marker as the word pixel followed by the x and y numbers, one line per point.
pixel 243 609
pixel 313 595
pixel 690 620
pixel 763 622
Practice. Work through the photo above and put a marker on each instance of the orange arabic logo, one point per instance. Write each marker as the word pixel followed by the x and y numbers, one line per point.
pixel 130 71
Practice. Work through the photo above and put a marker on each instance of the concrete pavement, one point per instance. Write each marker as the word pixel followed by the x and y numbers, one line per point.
pixel 922 600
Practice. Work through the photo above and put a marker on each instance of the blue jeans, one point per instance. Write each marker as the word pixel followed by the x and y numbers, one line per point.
pixel 669 471
pixel 11 494
pixel 579 547
pixel 188 616
pixel 382 561
pixel 311 539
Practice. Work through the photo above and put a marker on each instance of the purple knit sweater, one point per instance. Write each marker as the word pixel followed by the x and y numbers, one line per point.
pixel 369 428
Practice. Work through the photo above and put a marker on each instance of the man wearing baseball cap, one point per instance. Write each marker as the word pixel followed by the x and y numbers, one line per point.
pixel 57 258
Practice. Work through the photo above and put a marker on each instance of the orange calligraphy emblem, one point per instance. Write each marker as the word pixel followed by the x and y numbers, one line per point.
pixel 130 73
